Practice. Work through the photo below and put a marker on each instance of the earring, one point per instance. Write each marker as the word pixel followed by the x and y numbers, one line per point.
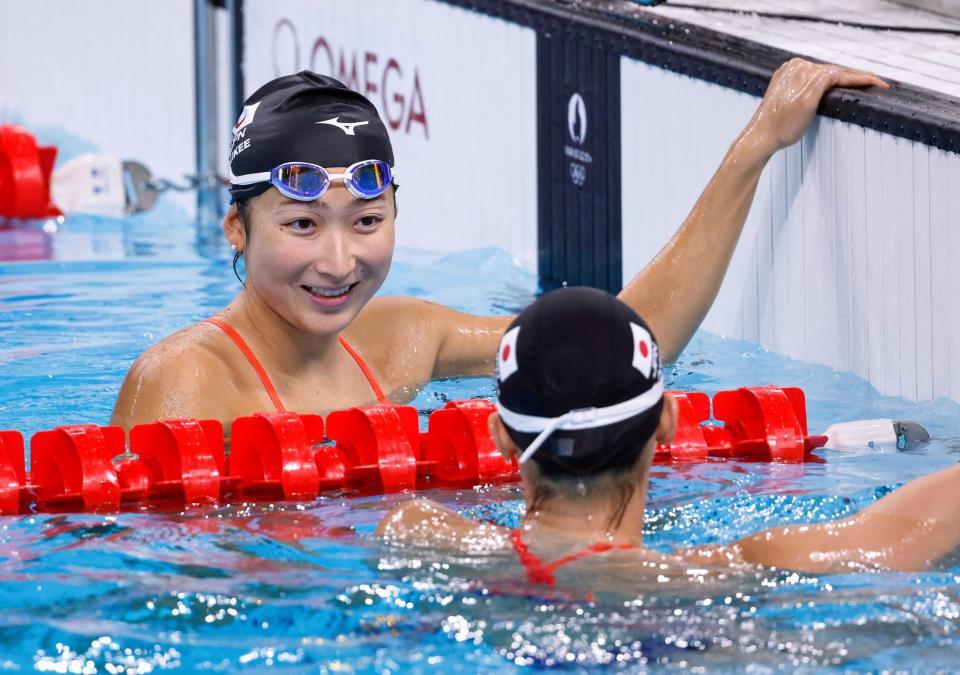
pixel 233 247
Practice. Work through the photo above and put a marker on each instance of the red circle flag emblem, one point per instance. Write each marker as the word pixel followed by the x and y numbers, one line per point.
pixel 507 363
pixel 642 353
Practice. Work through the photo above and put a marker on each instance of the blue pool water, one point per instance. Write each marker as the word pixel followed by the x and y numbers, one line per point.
pixel 305 588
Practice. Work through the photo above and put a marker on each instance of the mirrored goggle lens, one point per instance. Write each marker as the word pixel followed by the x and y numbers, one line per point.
pixel 302 180
pixel 371 178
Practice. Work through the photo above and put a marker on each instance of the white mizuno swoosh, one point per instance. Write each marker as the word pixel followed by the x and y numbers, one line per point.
pixel 345 127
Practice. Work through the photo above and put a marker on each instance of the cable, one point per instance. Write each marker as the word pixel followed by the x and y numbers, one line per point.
pixel 815 19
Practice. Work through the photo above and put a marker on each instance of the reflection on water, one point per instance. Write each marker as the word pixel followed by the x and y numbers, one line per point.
pixel 305 585
pixel 165 231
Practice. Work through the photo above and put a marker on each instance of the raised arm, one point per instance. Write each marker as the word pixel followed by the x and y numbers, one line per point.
pixel 907 530
pixel 675 290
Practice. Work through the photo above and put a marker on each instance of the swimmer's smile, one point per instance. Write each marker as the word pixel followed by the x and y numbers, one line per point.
pixel 330 297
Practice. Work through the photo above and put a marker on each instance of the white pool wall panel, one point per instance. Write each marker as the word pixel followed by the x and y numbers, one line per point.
pixel 847 257
pixel 468 177
pixel 107 76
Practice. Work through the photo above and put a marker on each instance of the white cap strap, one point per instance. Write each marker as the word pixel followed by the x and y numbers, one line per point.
pixel 585 418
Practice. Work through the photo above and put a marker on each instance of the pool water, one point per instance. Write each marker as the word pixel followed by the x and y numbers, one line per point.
pixel 306 588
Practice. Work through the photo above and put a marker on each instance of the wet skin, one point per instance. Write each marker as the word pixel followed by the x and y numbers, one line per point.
pixel 297 250
pixel 907 530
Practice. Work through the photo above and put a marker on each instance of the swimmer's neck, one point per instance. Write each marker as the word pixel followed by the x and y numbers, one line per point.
pixel 589 516
pixel 284 348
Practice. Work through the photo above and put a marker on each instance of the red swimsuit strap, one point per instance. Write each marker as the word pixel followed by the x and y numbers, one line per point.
pixel 367 373
pixel 251 357
pixel 540 572
pixel 265 379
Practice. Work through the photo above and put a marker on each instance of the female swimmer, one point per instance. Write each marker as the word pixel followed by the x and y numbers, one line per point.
pixel 581 406
pixel 313 216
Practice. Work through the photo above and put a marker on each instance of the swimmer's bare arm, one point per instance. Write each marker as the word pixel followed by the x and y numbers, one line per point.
pixel 469 344
pixel 674 291
pixel 423 522
pixel 422 340
pixel 907 530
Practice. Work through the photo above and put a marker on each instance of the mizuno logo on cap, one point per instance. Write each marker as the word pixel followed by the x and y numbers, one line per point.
pixel 345 127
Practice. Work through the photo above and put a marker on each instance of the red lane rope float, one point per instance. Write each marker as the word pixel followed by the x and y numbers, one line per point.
pixel 283 456
pixel 176 460
pixel 765 423
pixel 12 473
pixel 71 468
pixel 380 445
pixel 690 443
pixel 25 170
pixel 458 449
pixel 271 457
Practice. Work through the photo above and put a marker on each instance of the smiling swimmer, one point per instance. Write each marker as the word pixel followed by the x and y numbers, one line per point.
pixel 313 186
pixel 581 406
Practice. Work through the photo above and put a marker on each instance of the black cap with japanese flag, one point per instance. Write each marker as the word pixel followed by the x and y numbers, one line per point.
pixel 579 382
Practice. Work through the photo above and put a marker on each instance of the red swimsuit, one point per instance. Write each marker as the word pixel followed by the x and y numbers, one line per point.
pixel 265 379
pixel 540 572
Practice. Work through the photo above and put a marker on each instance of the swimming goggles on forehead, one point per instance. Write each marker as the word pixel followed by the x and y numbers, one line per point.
pixel 305 182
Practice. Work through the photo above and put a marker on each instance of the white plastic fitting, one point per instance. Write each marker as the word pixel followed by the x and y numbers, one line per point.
pixel 90 184
pixel 863 436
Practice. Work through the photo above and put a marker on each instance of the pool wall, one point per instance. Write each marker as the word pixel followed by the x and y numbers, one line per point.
pixel 847 255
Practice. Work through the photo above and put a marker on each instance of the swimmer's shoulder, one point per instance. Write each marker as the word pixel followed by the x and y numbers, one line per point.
pixel 185 375
pixel 424 522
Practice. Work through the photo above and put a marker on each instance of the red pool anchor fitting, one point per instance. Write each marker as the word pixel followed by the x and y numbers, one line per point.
pixel 25 170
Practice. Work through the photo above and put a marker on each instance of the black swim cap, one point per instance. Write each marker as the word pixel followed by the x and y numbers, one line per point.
pixel 579 372
pixel 304 117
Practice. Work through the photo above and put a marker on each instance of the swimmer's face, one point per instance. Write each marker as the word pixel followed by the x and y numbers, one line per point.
pixel 318 263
